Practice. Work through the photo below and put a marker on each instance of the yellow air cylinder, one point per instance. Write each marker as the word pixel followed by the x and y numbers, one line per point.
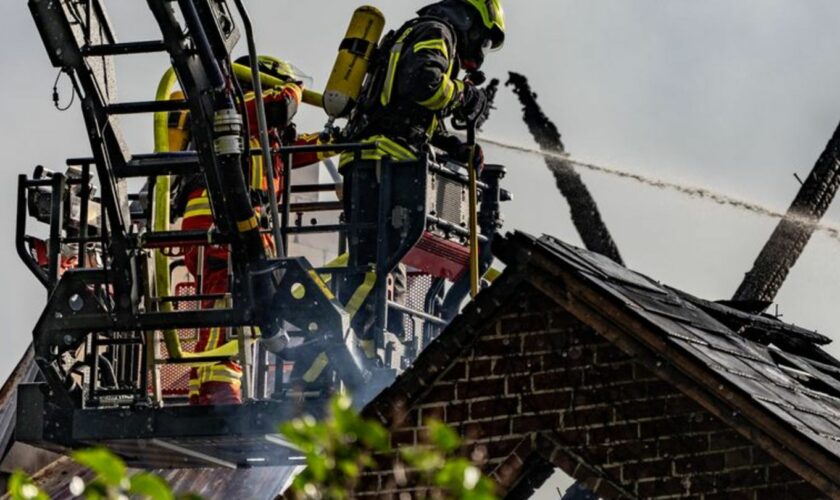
pixel 351 65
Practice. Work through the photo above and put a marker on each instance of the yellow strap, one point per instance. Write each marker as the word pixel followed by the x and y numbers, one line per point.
pixel 393 62
pixel 247 225
pixel 298 291
pixel 321 284
pixel 384 147
pixel 361 293
pixel 492 274
pixel 257 171
pixel 316 369
pixel 340 261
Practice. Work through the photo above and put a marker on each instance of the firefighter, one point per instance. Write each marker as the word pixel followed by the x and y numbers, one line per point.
pixel 414 86
pixel 220 383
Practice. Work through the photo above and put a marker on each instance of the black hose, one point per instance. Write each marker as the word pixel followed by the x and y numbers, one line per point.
pixel 263 128
pixel 203 48
pixel 246 126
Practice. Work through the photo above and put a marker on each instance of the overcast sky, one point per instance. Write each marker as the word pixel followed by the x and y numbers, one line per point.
pixel 734 95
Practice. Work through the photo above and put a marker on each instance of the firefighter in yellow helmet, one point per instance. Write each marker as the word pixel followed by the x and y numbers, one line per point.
pixel 220 383
pixel 415 85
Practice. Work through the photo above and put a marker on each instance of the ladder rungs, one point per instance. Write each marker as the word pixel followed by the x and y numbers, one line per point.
pixel 314 206
pixel 118 342
pixel 164 239
pixel 116 49
pixel 150 165
pixel 159 164
pixel 126 108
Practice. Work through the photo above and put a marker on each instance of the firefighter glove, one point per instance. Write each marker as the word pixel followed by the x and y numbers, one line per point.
pixel 463 156
pixel 474 105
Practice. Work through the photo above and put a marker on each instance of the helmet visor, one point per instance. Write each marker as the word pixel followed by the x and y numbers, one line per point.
pixel 300 76
pixel 285 71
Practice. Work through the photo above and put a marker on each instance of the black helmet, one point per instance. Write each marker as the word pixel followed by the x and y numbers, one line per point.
pixel 480 26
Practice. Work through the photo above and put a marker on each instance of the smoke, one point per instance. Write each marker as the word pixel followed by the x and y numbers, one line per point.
pixel 692 191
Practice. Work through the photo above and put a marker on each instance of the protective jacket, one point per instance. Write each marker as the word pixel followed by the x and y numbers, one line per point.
pixel 414 87
pixel 281 104
pixel 220 383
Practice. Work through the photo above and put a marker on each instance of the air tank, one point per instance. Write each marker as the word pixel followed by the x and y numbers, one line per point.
pixel 351 65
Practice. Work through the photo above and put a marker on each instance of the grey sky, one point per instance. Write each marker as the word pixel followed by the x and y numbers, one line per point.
pixel 732 95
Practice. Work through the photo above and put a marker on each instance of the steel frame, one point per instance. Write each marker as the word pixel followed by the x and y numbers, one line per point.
pixel 111 314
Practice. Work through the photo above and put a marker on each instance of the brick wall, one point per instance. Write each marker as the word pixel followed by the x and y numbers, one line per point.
pixel 537 381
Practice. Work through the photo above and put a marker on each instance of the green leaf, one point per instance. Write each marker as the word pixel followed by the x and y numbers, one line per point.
pixel 21 487
pixel 443 436
pixel 423 459
pixel 105 464
pixel 342 404
pixel 150 486
pixel 349 469
pixel 97 490
pixel 375 436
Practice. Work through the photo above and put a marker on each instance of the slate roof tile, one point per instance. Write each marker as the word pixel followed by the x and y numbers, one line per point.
pixel 803 398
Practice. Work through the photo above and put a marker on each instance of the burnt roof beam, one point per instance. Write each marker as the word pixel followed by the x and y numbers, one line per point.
pixel 584 210
pixel 793 232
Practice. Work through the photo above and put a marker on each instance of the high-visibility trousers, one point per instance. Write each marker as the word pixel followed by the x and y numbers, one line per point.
pixel 219 383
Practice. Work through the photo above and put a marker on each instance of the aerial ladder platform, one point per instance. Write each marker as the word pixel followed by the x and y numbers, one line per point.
pixel 113 341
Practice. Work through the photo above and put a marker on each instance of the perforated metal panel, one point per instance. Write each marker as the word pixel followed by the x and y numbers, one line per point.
pixel 448 200
pixel 175 378
pixel 452 202
pixel 415 298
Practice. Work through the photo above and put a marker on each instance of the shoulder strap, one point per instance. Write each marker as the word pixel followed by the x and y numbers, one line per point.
pixel 380 66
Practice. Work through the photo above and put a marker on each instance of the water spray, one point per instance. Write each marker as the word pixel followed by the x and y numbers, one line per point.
pixel 692 191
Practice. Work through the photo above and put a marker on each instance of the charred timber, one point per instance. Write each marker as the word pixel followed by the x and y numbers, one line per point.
pixel 585 214
pixel 787 242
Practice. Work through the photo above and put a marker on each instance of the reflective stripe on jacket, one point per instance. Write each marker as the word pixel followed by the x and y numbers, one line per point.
pixel 385 147
pixel 422 67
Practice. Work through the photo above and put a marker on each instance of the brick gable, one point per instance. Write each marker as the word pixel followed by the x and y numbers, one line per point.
pixel 538 381
pixel 635 389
